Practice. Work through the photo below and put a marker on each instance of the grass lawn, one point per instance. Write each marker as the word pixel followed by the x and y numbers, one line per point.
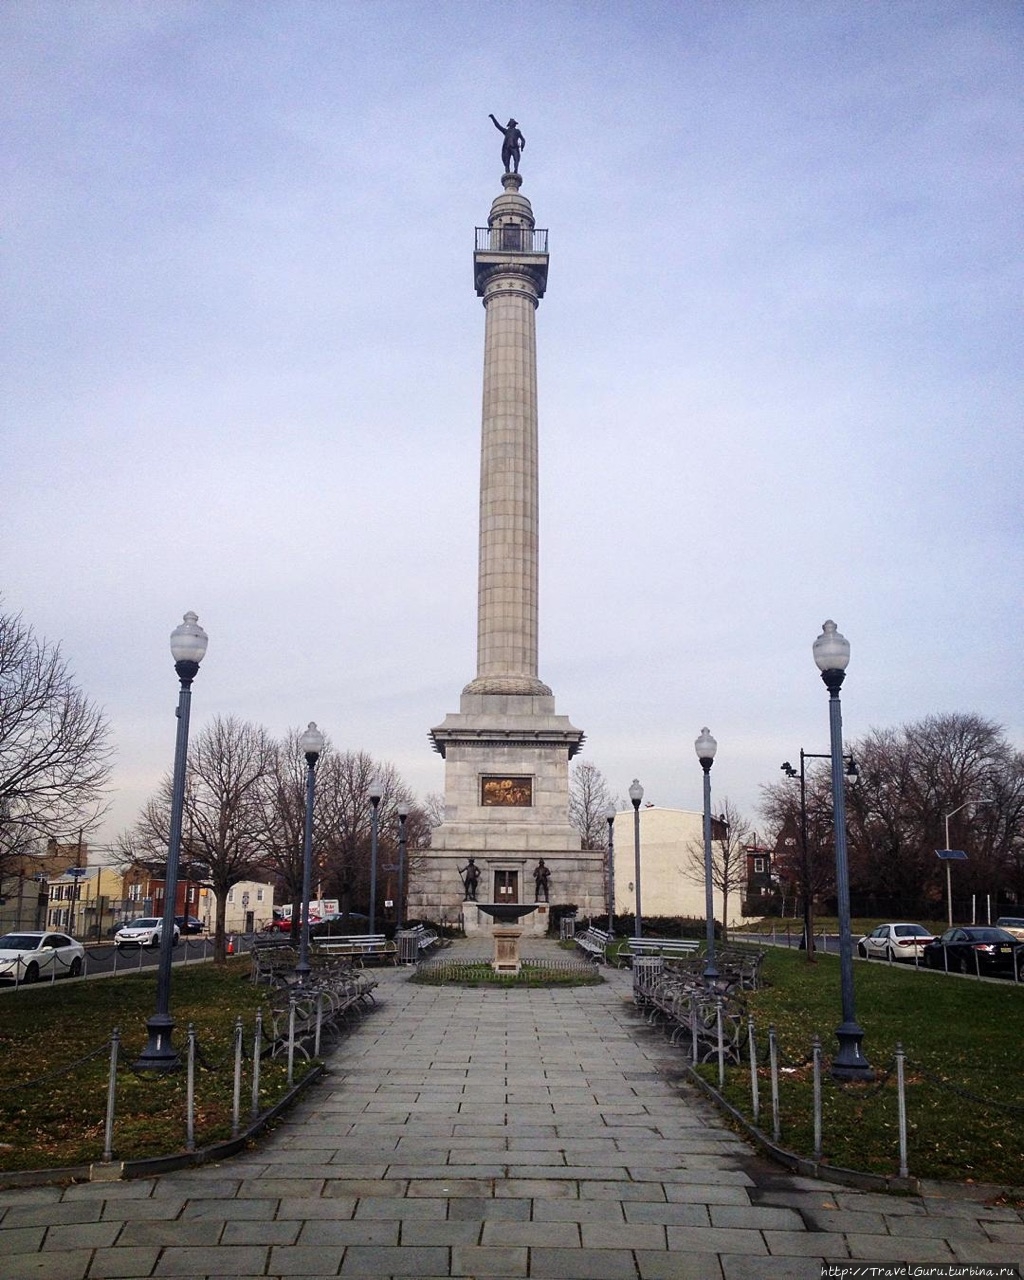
pixel 51 1116
pixel 962 1039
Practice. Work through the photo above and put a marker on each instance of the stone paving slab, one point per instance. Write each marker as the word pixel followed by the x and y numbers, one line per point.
pixel 481 1133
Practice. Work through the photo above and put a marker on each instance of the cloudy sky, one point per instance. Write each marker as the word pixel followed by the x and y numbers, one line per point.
pixel 779 361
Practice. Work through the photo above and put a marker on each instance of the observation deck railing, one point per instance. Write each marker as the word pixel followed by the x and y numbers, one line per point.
pixel 511 239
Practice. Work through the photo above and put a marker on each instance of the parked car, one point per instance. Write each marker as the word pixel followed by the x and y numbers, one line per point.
pixel 283 924
pixel 143 933
pixel 28 955
pixel 976 948
pixel 189 924
pixel 1012 924
pixel 895 942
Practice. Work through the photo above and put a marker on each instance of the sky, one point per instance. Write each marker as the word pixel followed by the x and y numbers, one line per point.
pixel 779 365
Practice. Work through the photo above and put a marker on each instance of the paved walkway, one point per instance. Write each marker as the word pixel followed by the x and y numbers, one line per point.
pixel 478 1133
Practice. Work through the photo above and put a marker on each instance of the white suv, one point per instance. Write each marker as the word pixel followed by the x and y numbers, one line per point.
pixel 143 933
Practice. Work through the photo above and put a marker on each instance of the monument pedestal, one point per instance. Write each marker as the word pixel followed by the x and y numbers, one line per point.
pixel 506 949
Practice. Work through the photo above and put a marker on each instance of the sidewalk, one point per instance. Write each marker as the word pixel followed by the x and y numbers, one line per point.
pixel 482 1133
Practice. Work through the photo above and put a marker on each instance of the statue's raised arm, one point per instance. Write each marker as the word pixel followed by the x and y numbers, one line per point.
pixel 514 143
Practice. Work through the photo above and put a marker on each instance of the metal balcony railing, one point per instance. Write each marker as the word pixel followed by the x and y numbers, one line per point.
pixel 511 239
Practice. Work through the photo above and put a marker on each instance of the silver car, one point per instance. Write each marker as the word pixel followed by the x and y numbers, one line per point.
pixel 143 933
pixel 28 955
pixel 895 942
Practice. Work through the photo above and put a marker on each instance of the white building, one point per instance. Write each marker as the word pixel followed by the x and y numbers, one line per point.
pixel 250 903
pixel 668 885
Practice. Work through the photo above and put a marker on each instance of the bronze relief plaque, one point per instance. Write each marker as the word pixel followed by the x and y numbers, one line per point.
pixel 516 792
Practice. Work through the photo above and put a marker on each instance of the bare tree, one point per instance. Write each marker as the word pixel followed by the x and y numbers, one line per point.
pixel 282 792
pixel 345 818
pixel 224 817
pixel 729 834
pixel 54 744
pixel 588 798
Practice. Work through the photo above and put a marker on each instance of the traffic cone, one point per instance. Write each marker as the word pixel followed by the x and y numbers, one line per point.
pixel 231 944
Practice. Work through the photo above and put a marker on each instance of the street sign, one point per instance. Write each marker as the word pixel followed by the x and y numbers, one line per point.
pixel 951 855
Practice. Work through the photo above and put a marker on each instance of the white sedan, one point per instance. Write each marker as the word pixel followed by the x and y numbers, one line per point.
pixel 28 955
pixel 143 933
pixel 895 942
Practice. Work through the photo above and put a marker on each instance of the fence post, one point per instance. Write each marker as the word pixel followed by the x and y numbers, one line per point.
pixel 755 1091
pixel 190 1102
pixel 901 1098
pixel 773 1058
pixel 291 1039
pixel 257 1053
pixel 693 1028
pixel 236 1099
pixel 721 1042
pixel 816 1060
pixel 319 1022
pixel 108 1128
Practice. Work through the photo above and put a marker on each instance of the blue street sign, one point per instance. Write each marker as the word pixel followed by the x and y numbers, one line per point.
pixel 951 855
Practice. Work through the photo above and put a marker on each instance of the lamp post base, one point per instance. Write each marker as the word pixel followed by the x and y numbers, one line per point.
pixel 850 1063
pixel 159 1053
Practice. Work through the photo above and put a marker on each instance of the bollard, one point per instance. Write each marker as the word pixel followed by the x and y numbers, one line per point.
pixel 816 1060
pixel 901 1100
pixel 773 1058
pixel 229 946
pixel 236 1099
pixel 257 1052
pixel 190 1103
pixel 755 1091
pixel 108 1128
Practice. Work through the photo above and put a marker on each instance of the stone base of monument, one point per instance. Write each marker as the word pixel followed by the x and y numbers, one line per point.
pixel 506 949
pixel 507 932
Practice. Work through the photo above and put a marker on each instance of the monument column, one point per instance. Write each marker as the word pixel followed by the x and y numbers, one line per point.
pixel 506 751
pixel 511 268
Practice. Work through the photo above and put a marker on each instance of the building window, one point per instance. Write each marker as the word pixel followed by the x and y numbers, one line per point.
pixel 231 895
pixel 502 792
pixel 259 895
pixel 759 866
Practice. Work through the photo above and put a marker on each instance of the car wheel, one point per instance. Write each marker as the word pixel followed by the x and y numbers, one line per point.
pixel 76 967
pixel 963 965
pixel 862 951
pixel 890 955
pixel 32 972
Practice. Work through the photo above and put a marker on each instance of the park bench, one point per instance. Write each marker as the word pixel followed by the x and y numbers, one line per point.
pixel 595 942
pixel 271 958
pixel 357 946
pixel 741 966
pixel 707 1018
pixel 667 948
pixel 301 1013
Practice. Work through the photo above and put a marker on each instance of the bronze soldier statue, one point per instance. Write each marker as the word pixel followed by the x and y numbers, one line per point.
pixel 513 146
pixel 470 880
pixel 541 881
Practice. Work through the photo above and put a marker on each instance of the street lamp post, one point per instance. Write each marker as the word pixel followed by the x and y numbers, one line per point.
pixel 188 648
pixel 706 746
pixel 403 813
pixel 609 817
pixel 311 744
pixel 805 858
pixel 375 791
pixel 636 794
pixel 832 655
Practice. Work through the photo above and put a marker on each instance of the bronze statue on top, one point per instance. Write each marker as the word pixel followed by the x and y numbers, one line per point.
pixel 513 146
